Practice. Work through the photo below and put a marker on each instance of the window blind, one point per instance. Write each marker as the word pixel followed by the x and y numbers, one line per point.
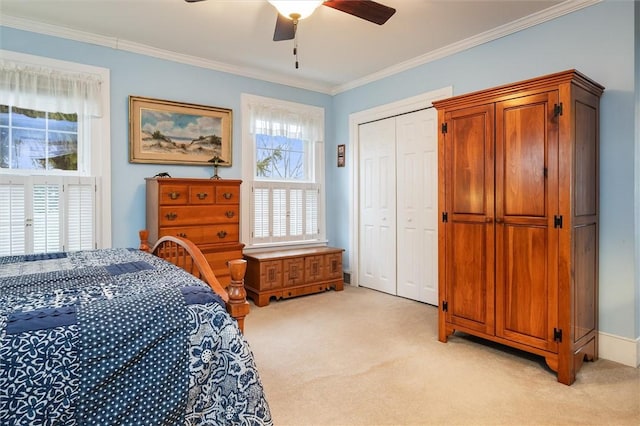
pixel 293 211
pixel 12 218
pixel 44 214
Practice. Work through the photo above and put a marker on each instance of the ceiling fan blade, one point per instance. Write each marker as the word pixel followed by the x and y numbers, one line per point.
pixel 285 29
pixel 364 9
pixel 192 1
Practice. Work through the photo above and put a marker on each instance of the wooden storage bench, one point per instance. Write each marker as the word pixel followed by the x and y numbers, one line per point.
pixel 292 272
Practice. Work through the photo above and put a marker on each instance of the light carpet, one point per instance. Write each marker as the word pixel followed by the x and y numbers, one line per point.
pixel 361 357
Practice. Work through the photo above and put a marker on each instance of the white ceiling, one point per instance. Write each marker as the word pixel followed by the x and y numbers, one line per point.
pixel 336 51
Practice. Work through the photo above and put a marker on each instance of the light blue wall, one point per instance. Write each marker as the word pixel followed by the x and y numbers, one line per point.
pixel 597 41
pixel 133 74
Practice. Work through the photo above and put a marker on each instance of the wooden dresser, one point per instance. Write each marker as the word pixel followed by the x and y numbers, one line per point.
pixel 294 272
pixel 206 211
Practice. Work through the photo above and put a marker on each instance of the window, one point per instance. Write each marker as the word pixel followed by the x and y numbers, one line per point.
pixel 283 171
pixel 37 140
pixel 53 133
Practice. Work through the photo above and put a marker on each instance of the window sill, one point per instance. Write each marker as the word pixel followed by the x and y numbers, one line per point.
pixel 284 244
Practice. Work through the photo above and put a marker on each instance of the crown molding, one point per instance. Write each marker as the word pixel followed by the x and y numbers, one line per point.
pixel 553 12
pixel 142 49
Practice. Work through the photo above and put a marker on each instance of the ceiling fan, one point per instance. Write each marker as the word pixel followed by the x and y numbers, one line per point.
pixel 289 12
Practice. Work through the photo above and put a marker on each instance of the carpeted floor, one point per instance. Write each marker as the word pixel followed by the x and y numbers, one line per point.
pixel 360 357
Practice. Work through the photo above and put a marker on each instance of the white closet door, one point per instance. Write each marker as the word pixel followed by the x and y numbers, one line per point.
pixel 377 233
pixel 417 202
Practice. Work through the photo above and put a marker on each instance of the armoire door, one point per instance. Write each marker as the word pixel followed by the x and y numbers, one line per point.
pixel 526 208
pixel 377 234
pixel 468 218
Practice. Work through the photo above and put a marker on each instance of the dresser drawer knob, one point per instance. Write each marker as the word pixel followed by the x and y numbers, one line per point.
pixel 201 195
pixel 230 214
pixel 227 195
pixel 182 234
pixel 171 216
pixel 174 195
pixel 222 234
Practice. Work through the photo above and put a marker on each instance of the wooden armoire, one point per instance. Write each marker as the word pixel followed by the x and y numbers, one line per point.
pixel 518 235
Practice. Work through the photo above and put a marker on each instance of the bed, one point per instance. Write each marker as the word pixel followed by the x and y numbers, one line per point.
pixel 125 336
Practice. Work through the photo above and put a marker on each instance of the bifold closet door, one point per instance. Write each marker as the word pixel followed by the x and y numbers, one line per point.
pixel 377 233
pixel 417 205
pixel 398 241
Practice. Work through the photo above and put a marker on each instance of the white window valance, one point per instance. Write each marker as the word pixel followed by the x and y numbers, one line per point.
pixel 292 123
pixel 48 89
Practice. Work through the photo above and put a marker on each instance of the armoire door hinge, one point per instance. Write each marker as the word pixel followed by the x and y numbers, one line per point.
pixel 443 128
pixel 557 221
pixel 557 335
pixel 445 217
pixel 445 306
pixel 557 109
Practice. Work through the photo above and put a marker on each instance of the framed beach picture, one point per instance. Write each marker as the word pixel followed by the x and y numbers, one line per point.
pixel 167 132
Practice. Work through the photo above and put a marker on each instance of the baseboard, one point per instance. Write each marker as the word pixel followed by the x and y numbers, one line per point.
pixel 619 349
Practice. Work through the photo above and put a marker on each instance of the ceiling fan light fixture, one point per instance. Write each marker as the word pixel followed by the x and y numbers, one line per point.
pixel 295 9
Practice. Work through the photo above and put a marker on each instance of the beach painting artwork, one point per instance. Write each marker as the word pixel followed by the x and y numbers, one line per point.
pixel 168 132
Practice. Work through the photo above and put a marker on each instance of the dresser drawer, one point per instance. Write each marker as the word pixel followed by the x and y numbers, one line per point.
pixel 227 194
pixel 188 215
pixel 218 260
pixel 202 194
pixel 174 194
pixel 228 233
pixel 204 234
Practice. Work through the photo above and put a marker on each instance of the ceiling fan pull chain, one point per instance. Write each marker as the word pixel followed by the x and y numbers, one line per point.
pixel 295 41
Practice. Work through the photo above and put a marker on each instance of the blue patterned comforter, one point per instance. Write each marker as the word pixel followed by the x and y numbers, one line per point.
pixel 118 336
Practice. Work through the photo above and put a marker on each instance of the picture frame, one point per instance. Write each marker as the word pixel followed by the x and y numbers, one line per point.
pixel 169 132
pixel 341 155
